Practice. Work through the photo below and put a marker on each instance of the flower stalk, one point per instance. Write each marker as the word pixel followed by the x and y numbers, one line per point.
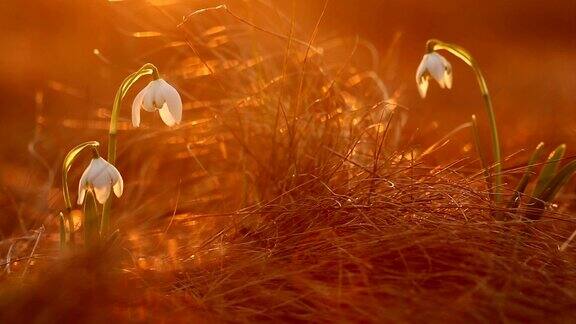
pixel 101 177
pixel 434 45
pixel 66 217
pixel 146 69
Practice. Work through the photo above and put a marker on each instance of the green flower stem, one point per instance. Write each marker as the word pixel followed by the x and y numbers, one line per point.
pixel 464 55
pixel 66 165
pixel 146 69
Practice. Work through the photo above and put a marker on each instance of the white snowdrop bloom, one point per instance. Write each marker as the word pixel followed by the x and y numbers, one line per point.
pixel 161 96
pixel 103 177
pixel 435 65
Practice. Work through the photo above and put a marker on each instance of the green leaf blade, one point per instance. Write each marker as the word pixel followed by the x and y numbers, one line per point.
pixel 523 183
pixel 549 170
pixel 91 220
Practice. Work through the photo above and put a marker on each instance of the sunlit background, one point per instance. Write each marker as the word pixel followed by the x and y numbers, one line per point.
pixel 527 49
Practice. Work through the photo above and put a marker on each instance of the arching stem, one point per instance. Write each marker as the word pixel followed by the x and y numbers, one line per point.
pixel 146 69
pixel 434 45
pixel 66 217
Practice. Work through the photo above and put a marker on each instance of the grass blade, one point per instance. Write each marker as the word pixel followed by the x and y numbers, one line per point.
pixel 550 192
pixel 559 180
pixel 549 170
pixel 515 200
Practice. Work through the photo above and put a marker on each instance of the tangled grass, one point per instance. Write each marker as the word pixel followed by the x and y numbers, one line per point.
pixel 291 192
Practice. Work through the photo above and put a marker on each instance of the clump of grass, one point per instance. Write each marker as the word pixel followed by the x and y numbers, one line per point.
pixel 291 193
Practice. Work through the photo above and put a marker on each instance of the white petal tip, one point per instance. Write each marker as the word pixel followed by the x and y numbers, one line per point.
pixel 422 87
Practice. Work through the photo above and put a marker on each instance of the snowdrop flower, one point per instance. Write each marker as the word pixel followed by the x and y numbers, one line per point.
pixel 435 65
pixel 158 95
pixel 103 177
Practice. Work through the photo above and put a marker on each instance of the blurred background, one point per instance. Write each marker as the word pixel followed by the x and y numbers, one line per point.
pixel 62 58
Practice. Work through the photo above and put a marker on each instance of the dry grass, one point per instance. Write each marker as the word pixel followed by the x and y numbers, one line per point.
pixel 291 193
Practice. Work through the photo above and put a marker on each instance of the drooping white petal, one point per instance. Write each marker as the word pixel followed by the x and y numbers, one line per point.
pixel 148 103
pixel 118 188
pixel 159 95
pixel 166 116
pixel 81 195
pixel 173 100
pixel 82 185
pixel 101 180
pixel 117 181
pixel 102 176
pixel 136 105
pixel 102 193
pixel 97 174
pixel 421 70
pixel 422 76
pixel 82 189
pixel 423 86
pixel 436 67
pixel 448 75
